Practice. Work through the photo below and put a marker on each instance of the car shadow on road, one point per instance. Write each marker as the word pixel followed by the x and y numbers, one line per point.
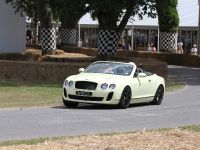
pixel 100 107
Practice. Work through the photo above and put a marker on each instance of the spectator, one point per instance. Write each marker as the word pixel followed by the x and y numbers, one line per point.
pixel 153 49
pixel 180 48
pixel 126 46
pixel 194 50
pixel 148 48
pixel 120 44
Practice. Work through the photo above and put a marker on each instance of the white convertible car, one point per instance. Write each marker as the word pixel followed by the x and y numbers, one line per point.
pixel 113 83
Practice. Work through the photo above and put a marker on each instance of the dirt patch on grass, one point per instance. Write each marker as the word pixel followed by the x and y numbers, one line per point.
pixel 175 139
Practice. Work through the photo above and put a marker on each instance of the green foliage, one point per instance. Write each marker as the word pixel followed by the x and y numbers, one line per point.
pixel 167 15
pixel 28 142
pixel 24 6
pixel 114 15
pixel 193 128
pixel 108 12
pixel 69 12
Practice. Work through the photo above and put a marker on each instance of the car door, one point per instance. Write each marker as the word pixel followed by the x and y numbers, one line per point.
pixel 141 86
pixel 145 86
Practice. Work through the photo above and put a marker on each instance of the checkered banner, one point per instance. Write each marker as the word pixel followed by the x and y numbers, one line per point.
pixel 107 42
pixel 168 41
pixel 68 36
pixel 48 39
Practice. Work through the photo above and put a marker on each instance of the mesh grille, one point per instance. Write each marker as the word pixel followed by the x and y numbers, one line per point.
pixel 86 85
pixel 86 98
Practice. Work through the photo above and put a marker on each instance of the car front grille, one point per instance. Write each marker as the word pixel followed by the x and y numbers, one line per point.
pixel 86 85
pixel 86 98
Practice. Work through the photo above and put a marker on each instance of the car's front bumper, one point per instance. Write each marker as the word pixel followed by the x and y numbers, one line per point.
pixel 98 97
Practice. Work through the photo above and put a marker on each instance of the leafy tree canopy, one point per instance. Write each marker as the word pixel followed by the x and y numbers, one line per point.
pixel 21 6
pixel 67 11
pixel 70 12
pixel 111 12
pixel 167 15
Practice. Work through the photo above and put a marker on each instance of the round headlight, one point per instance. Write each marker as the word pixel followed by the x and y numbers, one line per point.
pixel 65 82
pixel 70 84
pixel 104 86
pixel 112 86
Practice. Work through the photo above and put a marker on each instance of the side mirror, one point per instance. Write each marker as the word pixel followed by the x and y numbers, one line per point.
pixel 142 75
pixel 81 70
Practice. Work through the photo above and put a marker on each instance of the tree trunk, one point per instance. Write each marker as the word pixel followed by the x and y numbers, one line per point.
pixel 168 42
pixel 47 28
pixel 168 24
pixel 68 30
pixel 108 36
pixel 48 40
pixel 107 43
pixel 110 32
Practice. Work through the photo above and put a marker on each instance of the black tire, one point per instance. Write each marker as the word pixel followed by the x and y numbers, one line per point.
pixel 159 95
pixel 70 104
pixel 125 98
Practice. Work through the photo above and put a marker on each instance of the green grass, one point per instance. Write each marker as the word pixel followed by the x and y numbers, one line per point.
pixel 26 94
pixel 173 85
pixel 26 142
pixel 194 128
pixel 29 94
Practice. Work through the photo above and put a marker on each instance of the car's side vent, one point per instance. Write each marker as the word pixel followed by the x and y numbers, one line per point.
pixel 65 92
pixel 110 95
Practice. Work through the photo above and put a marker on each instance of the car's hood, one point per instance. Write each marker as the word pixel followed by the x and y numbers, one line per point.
pixel 96 77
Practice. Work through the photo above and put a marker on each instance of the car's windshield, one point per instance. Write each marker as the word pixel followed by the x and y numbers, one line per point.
pixel 110 68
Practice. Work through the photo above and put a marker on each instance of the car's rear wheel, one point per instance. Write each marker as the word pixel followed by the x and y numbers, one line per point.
pixel 70 104
pixel 159 95
pixel 125 98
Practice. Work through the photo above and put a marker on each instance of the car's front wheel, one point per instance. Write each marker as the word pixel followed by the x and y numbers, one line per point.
pixel 70 104
pixel 159 95
pixel 125 98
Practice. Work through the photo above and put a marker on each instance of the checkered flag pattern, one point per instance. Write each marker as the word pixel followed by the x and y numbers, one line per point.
pixel 48 39
pixel 68 36
pixel 168 41
pixel 107 42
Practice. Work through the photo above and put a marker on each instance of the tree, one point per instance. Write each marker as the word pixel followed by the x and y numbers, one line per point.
pixel 48 32
pixel 113 17
pixel 168 24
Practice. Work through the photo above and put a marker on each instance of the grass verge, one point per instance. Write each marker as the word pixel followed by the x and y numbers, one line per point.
pixel 29 94
pixel 173 85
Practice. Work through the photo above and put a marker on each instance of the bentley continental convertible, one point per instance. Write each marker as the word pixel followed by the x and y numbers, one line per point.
pixel 113 83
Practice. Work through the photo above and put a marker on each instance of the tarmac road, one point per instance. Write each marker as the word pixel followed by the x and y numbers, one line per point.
pixel 178 109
